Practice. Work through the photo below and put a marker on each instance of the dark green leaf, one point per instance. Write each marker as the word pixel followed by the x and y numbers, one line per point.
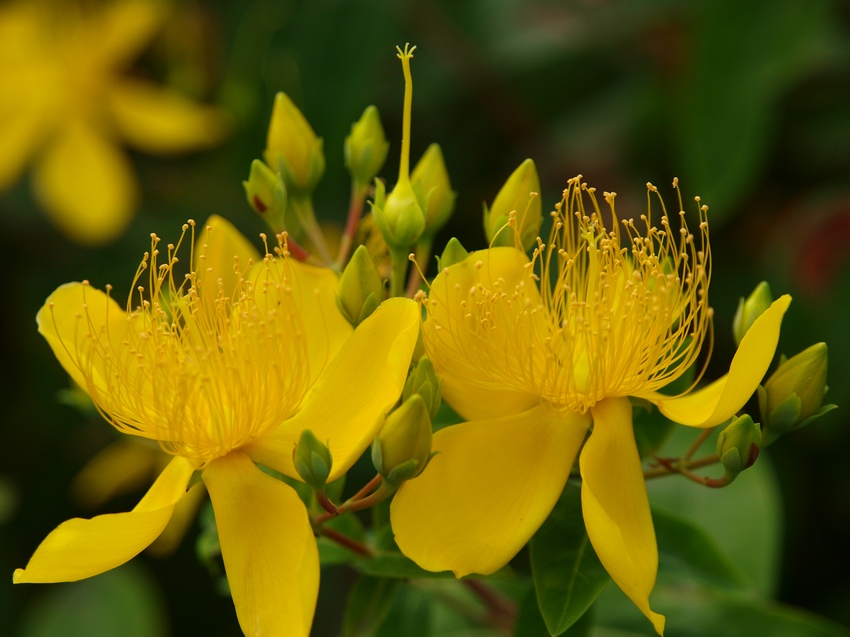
pixel 368 604
pixel 396 565
pixel 123 601
pixel 685 547
pixel 567 574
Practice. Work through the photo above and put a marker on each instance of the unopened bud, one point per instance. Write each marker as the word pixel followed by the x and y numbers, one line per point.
pixel 738 446
pixel 360 289
pixel 403 447
pixel 293 149
pixel 366 147
pixel 793 396
pixel 430 181
pixel 453 253
pixel 398 215
pixel 750 309
pixel 312 460
pixel 516 214
pixel 423 381
pixel 266 194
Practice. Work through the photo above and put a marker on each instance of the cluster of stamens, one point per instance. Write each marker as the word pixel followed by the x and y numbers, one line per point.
pixel 595 313
pixel 199 367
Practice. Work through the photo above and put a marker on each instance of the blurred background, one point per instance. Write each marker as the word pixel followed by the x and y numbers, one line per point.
pixel 747 103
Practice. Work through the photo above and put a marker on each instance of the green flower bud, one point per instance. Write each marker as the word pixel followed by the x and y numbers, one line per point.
pixel 423 381
pixel 430 181
pixel 750 309
pixel 453 253
pixel 312 460
pixel 292 147
pixel 360 289
pixel 403 447
pixel 366 147
pixel 398 215
pixel 738 446
pixel 793 396
pixel 514 218
pixel 266 194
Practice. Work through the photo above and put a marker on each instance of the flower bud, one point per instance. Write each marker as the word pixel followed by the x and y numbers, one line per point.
pixel 430 181
pixel 293 149
pixel 453 253
pixel 792 397
pixel 750 309
pixel 738 446
pixel 360 289
pixel 403 447
pixel 514 218
pixel 312 460
pixel 366 147
pixel 266 194
pixel 423 381
pixel 398 215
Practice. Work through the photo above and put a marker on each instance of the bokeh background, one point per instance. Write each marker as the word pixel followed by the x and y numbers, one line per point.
pixel 747 103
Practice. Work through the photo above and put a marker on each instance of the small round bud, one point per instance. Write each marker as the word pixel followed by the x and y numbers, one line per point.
pixel 312 460
pixel 366 147
pixel 360 290
pixel 750 309
pixel 423 381
pixel 430 181
pixel 520 196
pixel 793 396
pixel 398 215
pixel 403 447
pixel 738 446
pixel 292 148
pixel 266 194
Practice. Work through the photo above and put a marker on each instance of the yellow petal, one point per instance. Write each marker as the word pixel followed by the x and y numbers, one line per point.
pixel 483 377
pixel 475 402
pixel 184 514
pixel 220 247
pixel 124 29
pixel 79 548
pixel 66 320
pixel 268 548
pixel 161 121
pixel 86 185
pixel 720 400
pixel 488 489
pixel 313 289
pixel 615 505
pixel 347 405
pixel 122 467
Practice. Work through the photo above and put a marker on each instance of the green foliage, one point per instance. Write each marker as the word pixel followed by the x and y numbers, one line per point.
pixel 567 574
pixel 123 601
pixel 368 604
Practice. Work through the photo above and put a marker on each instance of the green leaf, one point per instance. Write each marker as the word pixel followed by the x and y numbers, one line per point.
pixel 568 576
pixel 123 601
pixel 686 548
pixel 395 565
pixel 368 604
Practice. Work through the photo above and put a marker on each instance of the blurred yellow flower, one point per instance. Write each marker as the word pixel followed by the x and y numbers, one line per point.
pixel 533 353
pixel 67 102
pixel 224 367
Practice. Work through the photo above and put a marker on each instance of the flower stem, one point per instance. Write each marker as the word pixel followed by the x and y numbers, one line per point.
pixel 355 210
pixel 347 542
pixel 703 436
pixel 502 612
pixel 398 260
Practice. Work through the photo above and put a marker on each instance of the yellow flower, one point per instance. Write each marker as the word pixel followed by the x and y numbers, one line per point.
pixel 534 352
pixel 225 367
pixel 67 101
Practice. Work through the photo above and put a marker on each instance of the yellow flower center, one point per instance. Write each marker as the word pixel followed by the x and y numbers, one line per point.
pixel 199 368
pixel 596 313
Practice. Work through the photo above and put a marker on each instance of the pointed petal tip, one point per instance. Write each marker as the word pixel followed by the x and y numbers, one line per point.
pixel 18 576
